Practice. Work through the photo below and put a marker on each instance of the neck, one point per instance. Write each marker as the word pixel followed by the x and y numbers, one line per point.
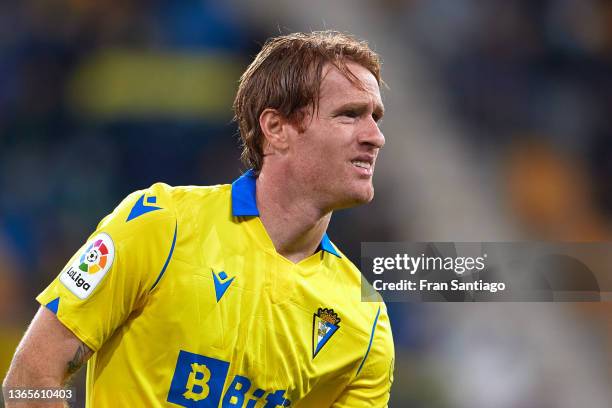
pixel 292 219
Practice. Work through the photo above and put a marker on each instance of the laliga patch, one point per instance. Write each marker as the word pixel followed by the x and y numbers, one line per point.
pixel 84 274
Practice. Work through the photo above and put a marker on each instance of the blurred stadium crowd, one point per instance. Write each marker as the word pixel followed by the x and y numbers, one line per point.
pixel 498 128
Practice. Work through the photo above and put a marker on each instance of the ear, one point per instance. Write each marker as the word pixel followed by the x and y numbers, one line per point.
pixel 274 128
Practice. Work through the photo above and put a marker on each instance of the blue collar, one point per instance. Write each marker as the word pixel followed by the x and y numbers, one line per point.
pixel 244 205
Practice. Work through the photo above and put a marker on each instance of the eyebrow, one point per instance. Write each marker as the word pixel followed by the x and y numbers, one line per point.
pixel 360 107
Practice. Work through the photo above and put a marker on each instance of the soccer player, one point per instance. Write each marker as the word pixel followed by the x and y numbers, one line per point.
pixel 234 295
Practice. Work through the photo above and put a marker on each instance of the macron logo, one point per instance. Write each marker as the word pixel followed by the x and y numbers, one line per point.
pixel 222 282
pixel 141 208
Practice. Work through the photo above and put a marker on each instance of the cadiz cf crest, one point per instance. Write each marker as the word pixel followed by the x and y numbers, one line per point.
pixel 324 324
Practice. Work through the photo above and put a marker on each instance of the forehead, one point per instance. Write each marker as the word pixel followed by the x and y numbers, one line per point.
pixel 336 87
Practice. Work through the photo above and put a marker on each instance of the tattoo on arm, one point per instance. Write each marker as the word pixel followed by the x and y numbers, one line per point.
pixel 80 357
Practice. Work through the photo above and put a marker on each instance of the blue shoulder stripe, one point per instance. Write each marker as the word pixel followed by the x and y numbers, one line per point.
pixel 167 259
pixel 369 345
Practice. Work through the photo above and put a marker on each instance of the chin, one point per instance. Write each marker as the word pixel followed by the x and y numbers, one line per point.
pixel 366 195
pixel 368 198
pixel 356 198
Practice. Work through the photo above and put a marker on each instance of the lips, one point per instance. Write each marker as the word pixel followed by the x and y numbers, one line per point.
pixel 361 164
pixel 365 162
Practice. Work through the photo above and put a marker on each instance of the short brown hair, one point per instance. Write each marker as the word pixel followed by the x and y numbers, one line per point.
pixel 286 75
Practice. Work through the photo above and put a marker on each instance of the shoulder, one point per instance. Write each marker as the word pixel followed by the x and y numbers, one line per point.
pixel 192 193
pixel 141 211
pixel 161 204
pixel 185 198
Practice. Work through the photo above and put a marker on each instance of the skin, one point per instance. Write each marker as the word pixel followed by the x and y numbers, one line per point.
pixel 307 175
pixel 47 356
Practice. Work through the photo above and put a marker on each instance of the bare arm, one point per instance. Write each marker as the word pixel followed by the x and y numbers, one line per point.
pixel 47 356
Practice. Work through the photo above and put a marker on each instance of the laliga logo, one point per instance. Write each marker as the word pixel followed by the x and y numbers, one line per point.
pixel 75 275
pixel 87 271
pixel 94 258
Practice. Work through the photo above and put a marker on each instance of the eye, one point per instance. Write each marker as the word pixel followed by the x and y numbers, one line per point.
pixel 376 117
pixel 350 114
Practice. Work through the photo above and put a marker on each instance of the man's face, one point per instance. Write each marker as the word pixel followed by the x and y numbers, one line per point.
pixel 334 157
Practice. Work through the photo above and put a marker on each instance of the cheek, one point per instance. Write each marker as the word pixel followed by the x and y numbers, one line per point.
pixel 323 148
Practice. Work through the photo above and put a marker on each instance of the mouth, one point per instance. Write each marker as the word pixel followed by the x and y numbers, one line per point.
pixel 364 164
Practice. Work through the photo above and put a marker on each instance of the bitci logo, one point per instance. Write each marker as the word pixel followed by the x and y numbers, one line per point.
pixel 200 382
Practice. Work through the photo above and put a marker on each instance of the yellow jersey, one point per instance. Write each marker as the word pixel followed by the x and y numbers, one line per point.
pixel 185 301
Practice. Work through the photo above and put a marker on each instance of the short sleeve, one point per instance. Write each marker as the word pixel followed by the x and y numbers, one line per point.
pixel 372 383
pixel 112 274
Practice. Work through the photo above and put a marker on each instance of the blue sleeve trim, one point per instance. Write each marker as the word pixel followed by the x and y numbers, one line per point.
pixel 369 345
pixel 53 305
pixel 167 259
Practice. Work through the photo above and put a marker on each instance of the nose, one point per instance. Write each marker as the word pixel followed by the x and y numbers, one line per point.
pixel 371 134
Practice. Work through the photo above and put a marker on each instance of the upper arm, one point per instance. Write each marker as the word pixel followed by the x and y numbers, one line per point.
pixel 372 381
pixel 105 280
pixel 48 353
pixel 113 273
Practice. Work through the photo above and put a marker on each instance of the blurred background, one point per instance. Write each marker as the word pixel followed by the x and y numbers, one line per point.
pixel 498 128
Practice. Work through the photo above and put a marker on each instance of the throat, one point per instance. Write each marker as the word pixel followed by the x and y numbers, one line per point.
pixel 294 239
pixel 293 222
